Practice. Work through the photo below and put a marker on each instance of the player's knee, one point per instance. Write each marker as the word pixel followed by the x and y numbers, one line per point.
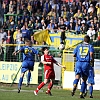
pixel 22 75
pixel 46 81
pixel 77 76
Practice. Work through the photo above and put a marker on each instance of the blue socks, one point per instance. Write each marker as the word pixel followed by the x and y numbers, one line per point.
pixel 75 82
pixel 28 77
pixel 20 82
pixel 83 87
pixel 91 90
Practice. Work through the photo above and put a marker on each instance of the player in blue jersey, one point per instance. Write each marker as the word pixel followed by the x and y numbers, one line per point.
pixel 28 61
pixel 90 82
pixel 84 54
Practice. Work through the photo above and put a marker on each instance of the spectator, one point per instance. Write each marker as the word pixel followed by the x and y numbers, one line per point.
pixel 15 34
pixel 91 33
pixel 91 11
pixel 2 47
pixel 18 35
pixel 77 28
pixel 51 26
pixel 30 25
pixel 37 24
pixel 24 32
pixel 4 8
pixel 3 34
pixel 74 7
pixel 70 14
pixel 5 26
pixel 19 24
pixel 12 25
pixel 19 42
pixel 29 7
pixel 62 27
pixel 11 6
pixel 64 12
pixel 78 14
pixel 9 39
pixel 66 22
pixel 83 28
pixel 42 25
pixel 47 6
pixel 71 25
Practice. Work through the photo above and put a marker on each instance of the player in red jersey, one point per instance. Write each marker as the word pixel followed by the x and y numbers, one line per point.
pixel 49 74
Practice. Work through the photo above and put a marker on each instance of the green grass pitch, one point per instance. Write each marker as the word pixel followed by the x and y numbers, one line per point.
pixel 10 93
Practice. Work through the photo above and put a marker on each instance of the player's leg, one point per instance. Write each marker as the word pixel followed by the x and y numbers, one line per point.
pixel 28 77
pixel 23 70
pixel 86 90
pixel 50 85
pixel 30 67
pixel 85 72
pixel 77 77
pixel 83 86
pixel 75 83
pixel 47 76
pixel 20 82
pixel 40 86
pixel 90 90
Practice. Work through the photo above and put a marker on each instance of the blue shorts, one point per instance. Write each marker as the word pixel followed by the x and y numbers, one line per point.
pixel 27 65
pixel 91 81
pixel 82 68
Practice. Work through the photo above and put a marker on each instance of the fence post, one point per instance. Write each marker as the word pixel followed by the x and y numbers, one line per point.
pixel 42 72
pixel 4 53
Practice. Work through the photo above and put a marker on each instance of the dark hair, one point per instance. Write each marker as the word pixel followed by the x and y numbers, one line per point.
pixel 44 48
pixel 87 39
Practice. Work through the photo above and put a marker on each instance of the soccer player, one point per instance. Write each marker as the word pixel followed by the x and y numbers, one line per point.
pixel 90 82
pixel 28 61
pixel 49 74
pixel 84 54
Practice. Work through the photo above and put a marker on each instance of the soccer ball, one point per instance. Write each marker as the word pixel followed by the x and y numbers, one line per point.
pixel 61 47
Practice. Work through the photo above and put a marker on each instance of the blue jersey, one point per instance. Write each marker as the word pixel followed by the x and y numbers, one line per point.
pixel 82 52
pixel 28 53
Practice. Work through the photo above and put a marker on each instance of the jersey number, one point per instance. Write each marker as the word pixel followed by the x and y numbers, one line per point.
pixel 27 51
pixel 84 51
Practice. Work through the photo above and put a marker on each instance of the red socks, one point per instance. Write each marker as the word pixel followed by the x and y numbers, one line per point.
pixel 40 86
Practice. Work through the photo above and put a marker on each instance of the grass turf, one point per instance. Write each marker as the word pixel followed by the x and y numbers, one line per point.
pixel 10 93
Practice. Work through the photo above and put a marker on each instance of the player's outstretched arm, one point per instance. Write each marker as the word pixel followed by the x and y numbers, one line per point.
pixel 16 52
pixel 57 63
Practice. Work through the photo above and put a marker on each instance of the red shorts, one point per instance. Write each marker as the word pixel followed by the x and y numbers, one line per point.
pixel 49 74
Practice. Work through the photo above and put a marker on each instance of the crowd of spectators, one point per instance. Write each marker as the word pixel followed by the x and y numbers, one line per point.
pixel 80 16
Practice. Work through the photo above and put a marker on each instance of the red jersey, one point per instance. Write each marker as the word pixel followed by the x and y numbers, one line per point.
pixel 48 58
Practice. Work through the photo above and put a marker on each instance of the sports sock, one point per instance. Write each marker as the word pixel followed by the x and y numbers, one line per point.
pixel 75 84
pixel 83 87
pixel 40 86
pixel 50 85
pixel 20 82
pixel 28 77
pixel 91 90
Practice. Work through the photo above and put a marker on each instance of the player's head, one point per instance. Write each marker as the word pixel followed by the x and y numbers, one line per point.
pixel 28 42
pixel 45 50
pixel 87 39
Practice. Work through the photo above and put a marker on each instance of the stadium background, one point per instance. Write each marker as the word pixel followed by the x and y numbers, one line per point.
pixel 41 21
